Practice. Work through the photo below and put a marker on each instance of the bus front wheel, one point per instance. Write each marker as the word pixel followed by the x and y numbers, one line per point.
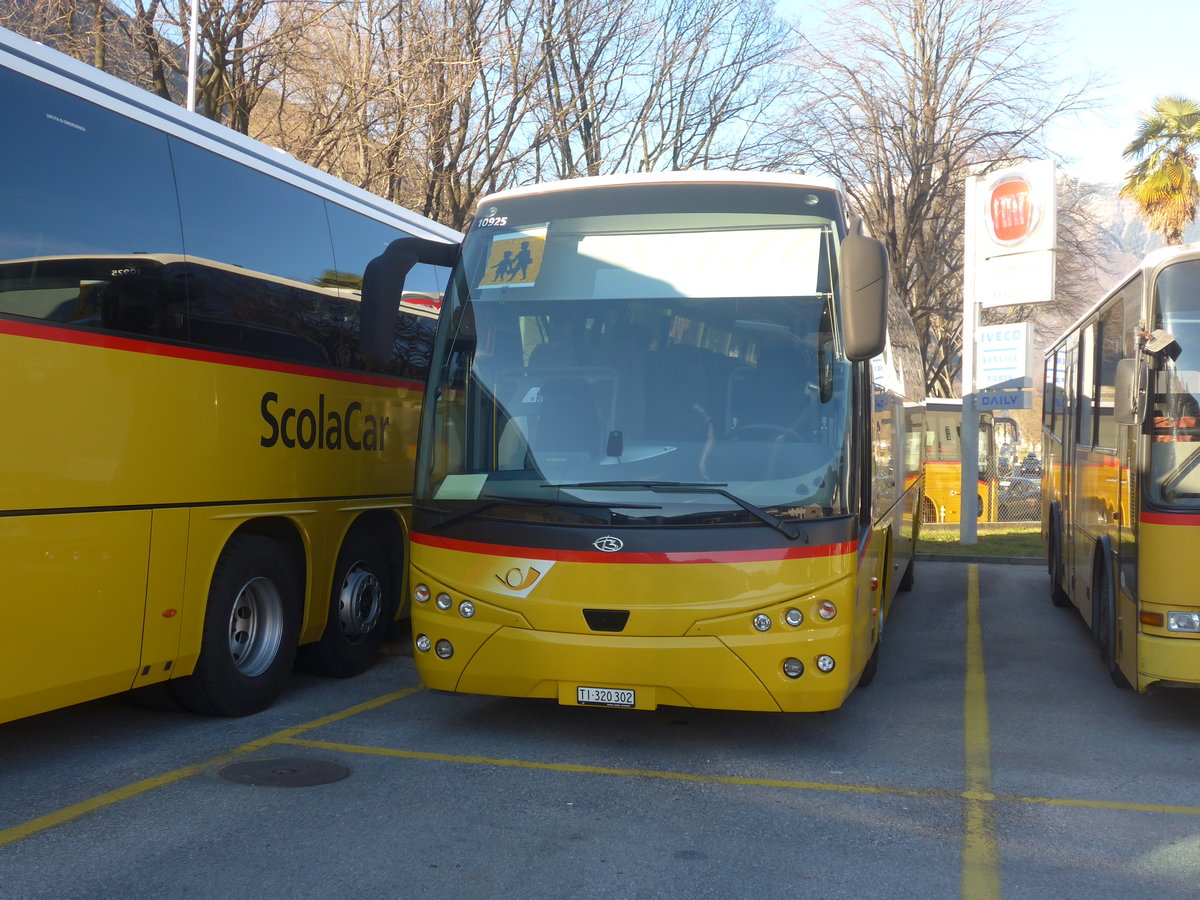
pixel 871 669
pixel 361 606
pixel 1106 625
pixel 251 626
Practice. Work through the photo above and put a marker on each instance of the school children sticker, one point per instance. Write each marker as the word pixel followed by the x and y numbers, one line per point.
pixel 515 259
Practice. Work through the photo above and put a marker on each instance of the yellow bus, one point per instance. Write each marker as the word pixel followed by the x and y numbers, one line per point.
pixel 202 477
pixel 1121 483
pixel 655 468
pixel 943 463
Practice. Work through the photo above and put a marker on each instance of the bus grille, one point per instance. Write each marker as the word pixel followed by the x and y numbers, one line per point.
pixel 606 619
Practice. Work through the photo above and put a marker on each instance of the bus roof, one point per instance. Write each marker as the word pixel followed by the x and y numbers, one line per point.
pixel 694 176
pixel 66 73
pixel 1152 261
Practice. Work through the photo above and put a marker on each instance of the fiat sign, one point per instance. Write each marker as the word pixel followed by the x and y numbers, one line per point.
pixel 1011 218
pixel 1011 210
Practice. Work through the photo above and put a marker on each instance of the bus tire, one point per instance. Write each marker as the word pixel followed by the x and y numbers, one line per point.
pixel 251 626
pixel 1106 624
pixel 871 669
pixel 1054 562
pixel 362 604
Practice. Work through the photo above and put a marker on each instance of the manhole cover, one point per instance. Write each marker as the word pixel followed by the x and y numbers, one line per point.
pixel 284 772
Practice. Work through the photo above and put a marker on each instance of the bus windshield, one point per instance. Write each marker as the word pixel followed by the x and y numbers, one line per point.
pixel 658 354
pixel 1175 453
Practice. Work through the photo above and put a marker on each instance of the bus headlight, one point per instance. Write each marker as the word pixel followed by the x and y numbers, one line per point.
pixel 762 622
pixel 443 601
pixel 793 668
pixel 793 617
pixel 466 609
pixel 444 649
pixel 825 663
pixel 1188 622
pixel 421 593
pixel 826 609
pixel 423 643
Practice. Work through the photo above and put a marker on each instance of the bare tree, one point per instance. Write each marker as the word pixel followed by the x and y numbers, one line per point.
pixel 428 103
pixel 592 50
pixel 89 30
pixel 432 103
pixel 715 75
pixel 671 85
pixel 904 99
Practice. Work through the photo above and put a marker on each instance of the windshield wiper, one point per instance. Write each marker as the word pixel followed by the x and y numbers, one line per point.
pixel 787 529
pixel 488 502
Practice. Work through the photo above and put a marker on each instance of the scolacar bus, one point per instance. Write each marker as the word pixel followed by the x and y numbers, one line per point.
pixel 201 473
pixel 1121 480
pixel 654 467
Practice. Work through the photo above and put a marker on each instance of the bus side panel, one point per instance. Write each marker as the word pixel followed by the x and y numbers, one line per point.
pixel 942 482
pixel 871 604
pixel 1081 542
pixel 143 424
pixel 164 595
pixel 72 591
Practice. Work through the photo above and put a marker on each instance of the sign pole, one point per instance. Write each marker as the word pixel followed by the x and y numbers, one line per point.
pixel 969 433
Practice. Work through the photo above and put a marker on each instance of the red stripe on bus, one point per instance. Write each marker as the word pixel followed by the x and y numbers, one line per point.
pixel 1153 518
pixel 597 556
pixel 152 348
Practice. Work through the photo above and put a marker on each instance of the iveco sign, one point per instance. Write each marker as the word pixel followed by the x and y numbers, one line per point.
pixel 1005 356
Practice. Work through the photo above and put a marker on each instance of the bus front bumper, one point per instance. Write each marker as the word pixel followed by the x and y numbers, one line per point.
pixel 702 671
pixel 1168 660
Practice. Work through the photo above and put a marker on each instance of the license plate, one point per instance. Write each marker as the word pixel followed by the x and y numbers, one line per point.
pixel 594 696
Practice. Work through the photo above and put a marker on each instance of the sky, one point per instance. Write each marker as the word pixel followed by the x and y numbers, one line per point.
pixel 1139 49
pixel 1144 51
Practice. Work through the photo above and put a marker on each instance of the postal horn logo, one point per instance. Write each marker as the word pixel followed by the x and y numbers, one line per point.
pixel 518 579
pixel 608 544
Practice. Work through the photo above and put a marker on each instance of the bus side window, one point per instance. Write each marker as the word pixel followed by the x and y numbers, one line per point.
pixel 127 306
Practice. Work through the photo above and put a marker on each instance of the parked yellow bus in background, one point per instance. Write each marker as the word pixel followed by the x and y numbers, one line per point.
pixel 1121 483
pixel 943 463
pixel 201 475
pixel 655 468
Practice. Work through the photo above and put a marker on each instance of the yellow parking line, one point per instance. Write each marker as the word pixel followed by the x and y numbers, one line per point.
pixel 627 773
pixel 927 793
pixel 980 854
pixel 67 814
pixel 1106 804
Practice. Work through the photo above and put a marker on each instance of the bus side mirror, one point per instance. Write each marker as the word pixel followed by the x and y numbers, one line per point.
pixel 383 288
pixel 1129 400
pixel 864 280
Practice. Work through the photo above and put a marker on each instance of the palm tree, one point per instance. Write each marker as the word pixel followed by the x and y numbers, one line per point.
pixel 1163 183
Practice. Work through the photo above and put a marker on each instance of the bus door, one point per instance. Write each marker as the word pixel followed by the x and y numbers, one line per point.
pixel 1128 442
pixel 988 470
pixel 1066 475
pixel 1080 541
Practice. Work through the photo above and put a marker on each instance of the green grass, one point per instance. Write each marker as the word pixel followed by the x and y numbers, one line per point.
pixel 1001 539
